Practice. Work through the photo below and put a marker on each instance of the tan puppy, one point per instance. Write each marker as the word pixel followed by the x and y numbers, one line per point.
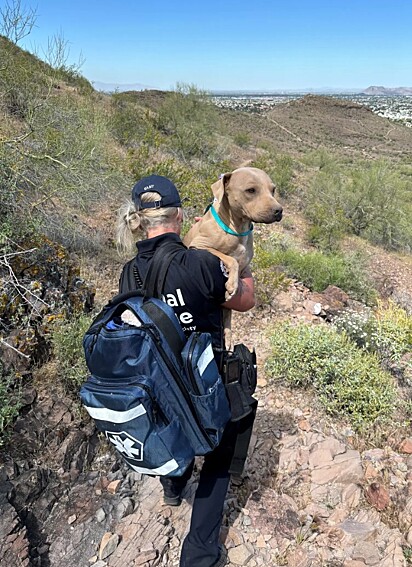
pixel 242 197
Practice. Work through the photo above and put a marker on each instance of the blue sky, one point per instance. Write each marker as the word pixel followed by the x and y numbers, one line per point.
pixel 227 45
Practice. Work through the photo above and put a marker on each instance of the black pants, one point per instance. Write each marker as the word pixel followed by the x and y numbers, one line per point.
pixel 201 545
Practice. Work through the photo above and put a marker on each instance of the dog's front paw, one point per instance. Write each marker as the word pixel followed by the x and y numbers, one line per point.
pixel 231 288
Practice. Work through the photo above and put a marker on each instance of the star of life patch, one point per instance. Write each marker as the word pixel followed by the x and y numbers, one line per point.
pixel 127 445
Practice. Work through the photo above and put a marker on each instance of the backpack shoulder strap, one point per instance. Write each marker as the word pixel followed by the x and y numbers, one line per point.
pixel 175 341
pixel 153 286
pixel 156 275
pixel 127 280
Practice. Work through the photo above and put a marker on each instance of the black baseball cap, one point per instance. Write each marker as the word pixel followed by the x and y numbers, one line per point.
pixel 162 185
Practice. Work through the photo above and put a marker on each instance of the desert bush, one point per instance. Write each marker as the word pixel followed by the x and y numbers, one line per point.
pixel 348 381
pixel 325 209
pixel 127 122
pixel 386 331
pixel 56 155
pixel 9 401
pixel 375 205
pixel 66 338
pixel 321 159
pixel 372 201
pixel 318 270
pixel 242 139
pixel 190 121
pixel 269 278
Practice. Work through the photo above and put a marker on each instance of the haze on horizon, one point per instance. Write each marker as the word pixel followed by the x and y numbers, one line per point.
pixel 237 46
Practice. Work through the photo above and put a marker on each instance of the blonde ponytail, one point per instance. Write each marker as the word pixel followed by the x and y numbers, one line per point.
pixel 132 224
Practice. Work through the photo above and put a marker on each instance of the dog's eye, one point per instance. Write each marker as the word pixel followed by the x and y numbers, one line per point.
pixel 251 190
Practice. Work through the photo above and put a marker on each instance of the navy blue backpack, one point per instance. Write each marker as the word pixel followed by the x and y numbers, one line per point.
pixel 157 396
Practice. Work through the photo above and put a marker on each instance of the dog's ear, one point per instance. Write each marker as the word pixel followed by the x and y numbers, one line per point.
pixel 218 188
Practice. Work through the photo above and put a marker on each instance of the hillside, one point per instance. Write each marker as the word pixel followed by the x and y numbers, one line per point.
pixel 343 126
pixel 328 479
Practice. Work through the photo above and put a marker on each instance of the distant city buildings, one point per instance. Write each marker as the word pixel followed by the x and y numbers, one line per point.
pixel 398 108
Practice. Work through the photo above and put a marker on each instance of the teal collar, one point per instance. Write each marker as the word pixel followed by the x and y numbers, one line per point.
pixel 224 226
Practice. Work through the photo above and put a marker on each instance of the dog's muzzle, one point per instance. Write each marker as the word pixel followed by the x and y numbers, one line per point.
pixel 278 215
pixel 274 215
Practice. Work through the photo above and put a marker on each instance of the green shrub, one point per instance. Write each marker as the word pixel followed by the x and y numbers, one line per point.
pixel 372 201
pixel 66 338
pixel 56 153
pixel 321 159
pixel 267 275
pixel 242 139
pixel 386 331
pixel 127 121
pixel 349 382
pixel 190 120
pixel 317 270
pixel 325 210
pixel 9 402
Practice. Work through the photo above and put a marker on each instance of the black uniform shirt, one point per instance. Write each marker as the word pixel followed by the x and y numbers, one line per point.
pixel 194 286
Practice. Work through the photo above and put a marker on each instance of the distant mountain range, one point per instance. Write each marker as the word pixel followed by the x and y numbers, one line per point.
pixel 373 90
pixel 388 91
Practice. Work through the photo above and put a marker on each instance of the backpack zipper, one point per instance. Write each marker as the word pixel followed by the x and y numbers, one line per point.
pixel 156 409
pixel 153 331
pixel 189 365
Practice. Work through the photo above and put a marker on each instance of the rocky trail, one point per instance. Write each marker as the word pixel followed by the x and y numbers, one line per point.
pixel 310 495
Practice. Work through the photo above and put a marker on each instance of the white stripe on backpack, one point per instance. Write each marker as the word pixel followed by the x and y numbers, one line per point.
pixel 167 468
pixel 113 416
pixel 205 359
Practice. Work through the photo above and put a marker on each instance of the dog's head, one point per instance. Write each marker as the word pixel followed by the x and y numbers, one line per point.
pixel 250 194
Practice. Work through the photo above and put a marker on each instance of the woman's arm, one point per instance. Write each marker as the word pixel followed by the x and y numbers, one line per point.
pixel 244 299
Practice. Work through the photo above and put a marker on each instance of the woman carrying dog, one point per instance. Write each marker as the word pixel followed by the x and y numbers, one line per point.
pixel 195 288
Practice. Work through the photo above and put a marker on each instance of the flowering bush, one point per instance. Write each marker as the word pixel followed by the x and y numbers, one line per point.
pixel 386 331
pixel 349 381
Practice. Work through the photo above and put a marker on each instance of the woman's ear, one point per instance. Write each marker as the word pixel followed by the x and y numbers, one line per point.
pixel 218 188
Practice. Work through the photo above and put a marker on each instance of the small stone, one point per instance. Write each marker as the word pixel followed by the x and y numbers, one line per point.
pixel 144 557
pixel 240 555
pixel 304 425
pixel 108 545
pixel 124 508
pixel 235 536
pixel 260 542
pixel 406 446
pixel 98 491
pixel 93 559
pixel 317 309
pixel 43 549
pixel 377 496
pixel 247 521
pixel 370 471
pixel 72 519
pixel 366 552
pixel 403 467
pixel 100 515
pixel 113 486
pixel 356 530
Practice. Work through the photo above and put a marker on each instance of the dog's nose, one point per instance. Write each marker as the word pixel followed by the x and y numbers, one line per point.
pixel 278 214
